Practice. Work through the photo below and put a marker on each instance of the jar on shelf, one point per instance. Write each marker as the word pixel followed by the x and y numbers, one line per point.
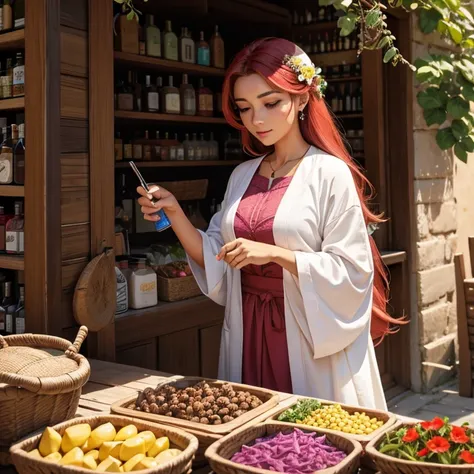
pixel 142 284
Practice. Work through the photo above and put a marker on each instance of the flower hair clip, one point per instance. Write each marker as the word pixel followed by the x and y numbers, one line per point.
pixel 307 72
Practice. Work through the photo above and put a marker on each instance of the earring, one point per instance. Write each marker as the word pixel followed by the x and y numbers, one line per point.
pixel 302 115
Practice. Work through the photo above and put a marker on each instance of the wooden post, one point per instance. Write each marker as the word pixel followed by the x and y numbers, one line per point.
pixel 43 170
pixel 101 148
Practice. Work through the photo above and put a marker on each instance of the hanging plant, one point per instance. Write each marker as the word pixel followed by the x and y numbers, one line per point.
pixel 129 8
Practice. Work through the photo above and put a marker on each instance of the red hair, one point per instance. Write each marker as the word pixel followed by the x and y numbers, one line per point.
pixel 264 57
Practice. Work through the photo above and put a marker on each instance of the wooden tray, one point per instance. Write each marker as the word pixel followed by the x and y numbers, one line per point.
pixel 388 418
pixel 270 399
pixel 220 453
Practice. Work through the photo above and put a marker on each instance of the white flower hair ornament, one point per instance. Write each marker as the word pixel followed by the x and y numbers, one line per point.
pixel 307 72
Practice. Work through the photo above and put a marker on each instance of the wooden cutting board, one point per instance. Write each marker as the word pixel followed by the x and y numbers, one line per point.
pixel 95 300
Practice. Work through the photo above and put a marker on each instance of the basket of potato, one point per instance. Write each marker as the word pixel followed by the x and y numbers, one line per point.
pixel 106 444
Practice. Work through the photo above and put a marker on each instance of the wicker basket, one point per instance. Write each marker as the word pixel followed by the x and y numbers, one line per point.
pixel 177 289
pixel 41 378
pixel 390 465
pixel 178 438
pixel 220 453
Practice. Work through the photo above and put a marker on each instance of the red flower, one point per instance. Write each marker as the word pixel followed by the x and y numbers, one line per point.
pixel 410 436
pixel 435 424
pixel 438 444
pixel 458 435
pixel 467 457
pixel 423 452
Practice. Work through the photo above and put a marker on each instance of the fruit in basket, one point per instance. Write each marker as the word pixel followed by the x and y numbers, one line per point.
pixel 149 438
pixel 167 455
pixel 132 446
pixel 89 462
pixel 109 465
pixel 161 444
pixel 132 462
pixel 50 442
pixel 102 433
pixel 110 448
pixel 200 403
pixel 334 417
pixel 73 458
pixel 146 463
pixel 54 457
pixel 35 454
pixel 75 436
pixel 126 432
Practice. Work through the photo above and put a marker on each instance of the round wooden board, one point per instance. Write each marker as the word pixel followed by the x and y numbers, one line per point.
pixel 95 294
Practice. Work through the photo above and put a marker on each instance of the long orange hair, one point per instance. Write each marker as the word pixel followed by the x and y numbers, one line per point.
pixel 265 57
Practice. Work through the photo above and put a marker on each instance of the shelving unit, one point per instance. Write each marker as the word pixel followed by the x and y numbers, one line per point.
pixel 344 79
pixel 12 191
pixel 12 262
pixel 153 117
pixel 178 164
pixel 12 40
pixel 15 103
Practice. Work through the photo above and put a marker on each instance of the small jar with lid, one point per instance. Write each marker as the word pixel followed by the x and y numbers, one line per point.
pixel 143 291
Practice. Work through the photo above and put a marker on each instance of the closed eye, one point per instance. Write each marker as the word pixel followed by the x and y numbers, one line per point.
pixel 243 109
pixel 270 105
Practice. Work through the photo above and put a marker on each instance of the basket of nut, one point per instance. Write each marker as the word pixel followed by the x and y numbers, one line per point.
pixel 207 409
pixel 176 282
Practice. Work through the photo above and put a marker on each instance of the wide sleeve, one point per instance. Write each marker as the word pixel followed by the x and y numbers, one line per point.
pixel 336 282
pixel 212 278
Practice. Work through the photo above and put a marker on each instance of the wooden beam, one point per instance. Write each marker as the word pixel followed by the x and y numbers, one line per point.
pixel 43 179
pixel 101 148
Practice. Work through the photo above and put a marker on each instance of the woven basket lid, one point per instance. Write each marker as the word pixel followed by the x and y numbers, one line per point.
pixel 33 361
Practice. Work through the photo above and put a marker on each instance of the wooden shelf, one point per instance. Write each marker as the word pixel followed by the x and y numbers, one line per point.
pixel 12 262
pixel 349 116
pixel 166 65
pixel 12 40
pixel 177 164
pixel 391 257
pixel 149 116
pixel 344 79
pixel 12 191
pixel 314 27
pixel 15 103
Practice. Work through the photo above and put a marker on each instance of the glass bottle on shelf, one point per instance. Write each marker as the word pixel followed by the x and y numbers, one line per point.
pixel 179 149
pixel 6 157
pixel 197 148
pixel 152 97
pixel 347 99
pixel 347 43
pixel 205 152
pixel 203 56
pixel 152 37
pixel 6 309
pixel 118 147
pixel 173 150
pixel 137 93
pixel 7 15
pixel 188 148
pixel 8 79
pixel 3 220
pixel 170 43
pixel 354 98
pixel 187 47
pixel 19 157
pixel 213 148
pixel 125 95
pixel 322 44
pixel 187 97
pixel 157 155
pixel 205 105
pixel 165 148
pixel 171 100
pixel 19 313
pixel 359 99
pixel 217 49
pixel 128 150
pixel 137 148
pixel 141 40
pixel 147 148
pixel 19 76
pixel 340 98
pixel 14 232
pixel 19 14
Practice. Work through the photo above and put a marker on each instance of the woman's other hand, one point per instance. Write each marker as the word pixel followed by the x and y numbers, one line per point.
pixel 242 252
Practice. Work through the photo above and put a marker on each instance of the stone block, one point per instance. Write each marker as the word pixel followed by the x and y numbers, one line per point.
pixel 442 352
pixel 428 191
pixel 422 224
pixel 430 253
pixel 433 322
pixel 430 161
pixel 435 283
pixel 452 326
pixel 451 247
pixel 442 217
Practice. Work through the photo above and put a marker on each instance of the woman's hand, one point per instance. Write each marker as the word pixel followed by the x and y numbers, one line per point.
pixel 166 201
pixel 242 252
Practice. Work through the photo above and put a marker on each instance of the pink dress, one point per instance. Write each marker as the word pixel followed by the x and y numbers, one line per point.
pixel 265 351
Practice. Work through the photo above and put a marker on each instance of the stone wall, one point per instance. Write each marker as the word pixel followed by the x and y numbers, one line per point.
pixel 433 309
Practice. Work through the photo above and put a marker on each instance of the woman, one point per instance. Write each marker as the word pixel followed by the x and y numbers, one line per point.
pixel 289 254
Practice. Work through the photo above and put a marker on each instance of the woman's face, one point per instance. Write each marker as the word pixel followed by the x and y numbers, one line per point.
pixel 266 112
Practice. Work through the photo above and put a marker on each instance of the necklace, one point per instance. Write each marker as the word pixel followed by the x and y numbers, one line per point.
pixel 272 176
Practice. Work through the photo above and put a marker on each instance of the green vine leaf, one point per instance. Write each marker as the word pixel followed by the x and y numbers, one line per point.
pixel 390 54
pixel 467 143
pixel 445 138
pixel 461 153
pixel 433 116
pixel 466 14
pixel 460 129
pixel 456 33
pixel 428 74
pixel 431 98
pixel 468 91
pixel 429 20
pixel 347 25
pixel 458 107
pixel 372 18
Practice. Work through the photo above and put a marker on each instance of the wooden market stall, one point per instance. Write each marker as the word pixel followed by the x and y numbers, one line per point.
pixel 77 66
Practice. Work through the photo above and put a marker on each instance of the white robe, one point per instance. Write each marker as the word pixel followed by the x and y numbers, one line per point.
pixel 328 306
